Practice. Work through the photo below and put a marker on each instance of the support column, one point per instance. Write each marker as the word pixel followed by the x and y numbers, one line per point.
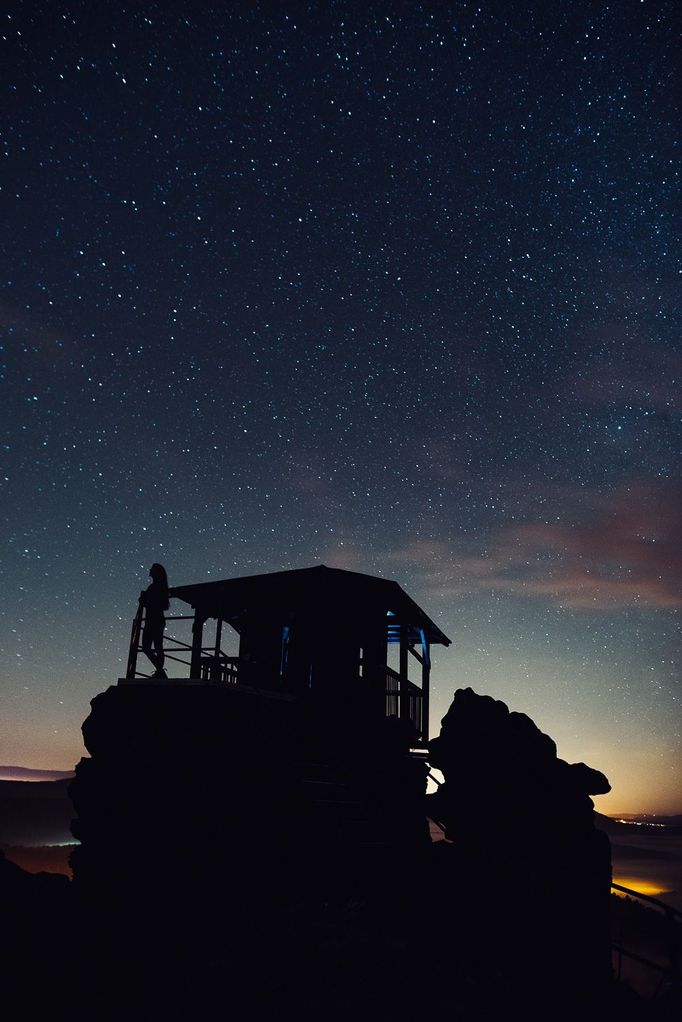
pixel 426 677
pixel 131 668
pixel 404 693
pixel 216 672
pixel 197 641
pixel 373 688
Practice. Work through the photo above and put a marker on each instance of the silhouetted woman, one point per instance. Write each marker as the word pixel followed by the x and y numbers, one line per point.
pixel 154 599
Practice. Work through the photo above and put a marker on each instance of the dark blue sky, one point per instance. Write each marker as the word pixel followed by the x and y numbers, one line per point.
pixel 389 286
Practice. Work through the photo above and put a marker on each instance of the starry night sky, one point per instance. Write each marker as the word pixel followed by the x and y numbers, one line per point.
pixel 388 286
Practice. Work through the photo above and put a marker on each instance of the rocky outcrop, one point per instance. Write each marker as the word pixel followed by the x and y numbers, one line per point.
pixel 239 845
pixel 533 873
pixel 199 802
pixel 502 774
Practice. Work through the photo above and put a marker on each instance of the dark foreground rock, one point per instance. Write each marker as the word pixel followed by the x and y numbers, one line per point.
pixel 38 937
pixel 247 856
pixel 522 826
pixel 198 802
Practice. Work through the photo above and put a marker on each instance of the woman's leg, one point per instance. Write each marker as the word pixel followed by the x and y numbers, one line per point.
pixel 147 645
pixel 158 646
pixel 152 646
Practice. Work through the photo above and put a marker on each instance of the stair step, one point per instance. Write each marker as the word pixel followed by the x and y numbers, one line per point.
pixel 356 831
pixel 319 773
pixel 335 798
pixel 341 810
pixel 345 816
pixel 323 784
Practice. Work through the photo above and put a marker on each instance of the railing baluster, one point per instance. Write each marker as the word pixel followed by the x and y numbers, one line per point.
pixel 134 644
pixel 398 696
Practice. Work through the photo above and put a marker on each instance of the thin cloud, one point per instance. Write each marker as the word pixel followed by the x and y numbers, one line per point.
pixel 600 552
pixel 625 550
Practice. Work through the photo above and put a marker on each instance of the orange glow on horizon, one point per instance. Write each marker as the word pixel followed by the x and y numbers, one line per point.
pixel 648 887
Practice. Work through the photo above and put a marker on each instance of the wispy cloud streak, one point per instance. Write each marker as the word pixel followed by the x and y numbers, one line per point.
pixel 599 552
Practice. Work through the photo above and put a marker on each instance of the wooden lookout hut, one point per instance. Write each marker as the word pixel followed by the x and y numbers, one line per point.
pixel 321 630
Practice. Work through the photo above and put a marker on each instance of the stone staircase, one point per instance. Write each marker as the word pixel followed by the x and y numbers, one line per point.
pixel 342 814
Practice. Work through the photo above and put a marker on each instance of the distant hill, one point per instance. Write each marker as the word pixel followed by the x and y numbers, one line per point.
pixel 45 859
pixel 646 824
pixel 650 825
pixel 38 813
pixel 17 773
pixel 648 820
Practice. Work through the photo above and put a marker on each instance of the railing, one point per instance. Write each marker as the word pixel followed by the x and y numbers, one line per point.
pixel 219 667
pixel 669 972
pixel 214 664
pixel 403 699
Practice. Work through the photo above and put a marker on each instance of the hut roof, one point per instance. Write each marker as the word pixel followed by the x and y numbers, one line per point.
pixel 334 588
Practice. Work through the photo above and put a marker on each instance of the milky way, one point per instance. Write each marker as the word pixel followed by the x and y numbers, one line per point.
pixel 393 287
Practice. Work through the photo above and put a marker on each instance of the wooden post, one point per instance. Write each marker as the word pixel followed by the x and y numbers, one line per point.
pixel 216 673
pixel 131 668
pixel 426 677
pixel 404 688
pixel 197 638
pixel 373 642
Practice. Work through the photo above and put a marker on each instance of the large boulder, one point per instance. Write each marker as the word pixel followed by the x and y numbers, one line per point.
pixel 526 876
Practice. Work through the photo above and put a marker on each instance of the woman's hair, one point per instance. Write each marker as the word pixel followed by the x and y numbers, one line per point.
pixel 158 574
